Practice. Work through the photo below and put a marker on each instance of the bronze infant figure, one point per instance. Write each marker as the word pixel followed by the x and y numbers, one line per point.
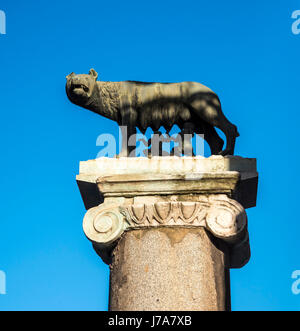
pixel 190 105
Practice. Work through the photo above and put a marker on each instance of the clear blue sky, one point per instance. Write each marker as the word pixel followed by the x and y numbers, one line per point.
pixel 243 50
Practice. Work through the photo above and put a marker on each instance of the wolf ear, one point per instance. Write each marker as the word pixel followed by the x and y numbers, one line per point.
pixel 94 73
pixel 71 75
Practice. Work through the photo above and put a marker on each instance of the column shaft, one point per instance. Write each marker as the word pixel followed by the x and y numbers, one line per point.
pixel 169 269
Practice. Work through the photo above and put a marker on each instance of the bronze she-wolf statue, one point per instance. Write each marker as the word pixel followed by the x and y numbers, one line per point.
pixel 192 106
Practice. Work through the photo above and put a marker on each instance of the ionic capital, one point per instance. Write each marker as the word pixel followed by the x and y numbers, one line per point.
pixel 223 217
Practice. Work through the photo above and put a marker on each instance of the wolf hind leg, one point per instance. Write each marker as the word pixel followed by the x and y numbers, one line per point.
pixel 211 136
pixel 212 114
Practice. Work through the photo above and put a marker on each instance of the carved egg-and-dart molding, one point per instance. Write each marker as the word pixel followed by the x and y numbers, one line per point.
pixel 223 217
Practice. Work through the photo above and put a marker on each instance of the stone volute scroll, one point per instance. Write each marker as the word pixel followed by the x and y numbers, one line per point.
pixel 104 224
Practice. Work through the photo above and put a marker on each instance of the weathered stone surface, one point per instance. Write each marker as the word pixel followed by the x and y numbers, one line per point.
pixel 231 175
pixel 160 184
pixel 169 269
pixel 92 169
pixel 192 106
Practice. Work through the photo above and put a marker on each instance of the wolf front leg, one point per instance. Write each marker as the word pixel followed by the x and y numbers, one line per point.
pixel 128 130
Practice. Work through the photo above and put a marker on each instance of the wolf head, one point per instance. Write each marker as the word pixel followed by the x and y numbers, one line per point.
pixel 80 87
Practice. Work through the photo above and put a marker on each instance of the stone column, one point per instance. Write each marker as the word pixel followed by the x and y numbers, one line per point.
pixel 170 228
